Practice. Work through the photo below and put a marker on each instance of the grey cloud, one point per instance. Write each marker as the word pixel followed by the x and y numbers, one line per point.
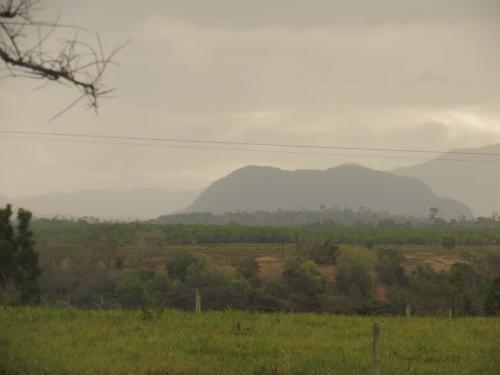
pixel 296 14
pixel 373 73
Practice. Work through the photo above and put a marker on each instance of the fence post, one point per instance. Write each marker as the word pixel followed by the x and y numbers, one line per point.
pixel 450 313
pixel 197 300
pixel 376 349
pixel 408 311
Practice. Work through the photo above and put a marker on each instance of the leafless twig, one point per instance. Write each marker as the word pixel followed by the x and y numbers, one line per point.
pixel 24 51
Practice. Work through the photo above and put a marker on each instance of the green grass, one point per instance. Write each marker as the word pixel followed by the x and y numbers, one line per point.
pixel 68 341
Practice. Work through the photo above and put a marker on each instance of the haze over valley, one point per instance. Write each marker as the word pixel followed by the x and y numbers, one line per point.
pixel 438 182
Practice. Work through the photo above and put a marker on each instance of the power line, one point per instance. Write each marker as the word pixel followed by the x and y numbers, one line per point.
pixel 233 143
pixel 66 140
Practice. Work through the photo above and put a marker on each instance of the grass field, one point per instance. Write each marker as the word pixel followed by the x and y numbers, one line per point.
pixel 68 341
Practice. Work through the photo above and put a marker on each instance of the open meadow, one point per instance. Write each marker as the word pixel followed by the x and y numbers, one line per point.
pixel 70 341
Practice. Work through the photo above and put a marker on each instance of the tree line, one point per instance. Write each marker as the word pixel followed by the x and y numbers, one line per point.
pixel 385 232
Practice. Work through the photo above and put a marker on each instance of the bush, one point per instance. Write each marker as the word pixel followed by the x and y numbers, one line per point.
pixel 492 303
pixel 353 277
pixel 322 250
pixel 306 284
pixel 390 267
pixel 135 289
pixel 248 267
pixel 369 244
pixel 448 242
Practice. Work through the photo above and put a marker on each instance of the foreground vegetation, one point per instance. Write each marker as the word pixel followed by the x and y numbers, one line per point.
pixel 311 276
pixel 296 292
pixel 68 341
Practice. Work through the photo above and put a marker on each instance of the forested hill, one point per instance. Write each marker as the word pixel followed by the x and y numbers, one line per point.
pixel 255 188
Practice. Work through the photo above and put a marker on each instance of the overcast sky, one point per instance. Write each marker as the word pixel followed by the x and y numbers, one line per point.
pixel 387 73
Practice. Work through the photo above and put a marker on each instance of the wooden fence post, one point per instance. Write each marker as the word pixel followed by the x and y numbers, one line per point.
pixel 197 300
pixel 376 349
pixel 408 311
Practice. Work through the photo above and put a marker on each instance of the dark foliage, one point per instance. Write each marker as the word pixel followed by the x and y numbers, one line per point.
pixel 492 303
pixel 322 250
pixel 449 242
pixel 19 270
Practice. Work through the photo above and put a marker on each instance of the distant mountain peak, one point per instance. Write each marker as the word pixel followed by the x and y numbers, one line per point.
pixel 477 184
pixel 263 188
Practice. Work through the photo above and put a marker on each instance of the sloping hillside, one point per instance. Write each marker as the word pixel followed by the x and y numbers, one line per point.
pixel 475 184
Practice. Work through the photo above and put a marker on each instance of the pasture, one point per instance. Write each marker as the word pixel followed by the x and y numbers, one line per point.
pixel 70 341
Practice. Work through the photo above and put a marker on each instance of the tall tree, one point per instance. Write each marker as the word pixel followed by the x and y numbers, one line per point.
pixel 7 248
pixel 26 259
pixel 18 258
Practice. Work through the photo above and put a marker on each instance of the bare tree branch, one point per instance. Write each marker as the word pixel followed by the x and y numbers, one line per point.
pixel 24 51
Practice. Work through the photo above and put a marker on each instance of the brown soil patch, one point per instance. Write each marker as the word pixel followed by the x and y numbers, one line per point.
pixel 66 264
pixel 380 292
pixel 269 267
pixel 272 268
pixel 436 262
pixel 328 271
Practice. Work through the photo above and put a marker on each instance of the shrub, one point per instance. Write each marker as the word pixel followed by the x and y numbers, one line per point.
pixel 353 276
pixel 369 244
pixel 492 303
pixel 322 250
pixel 448 242
pixel 390 267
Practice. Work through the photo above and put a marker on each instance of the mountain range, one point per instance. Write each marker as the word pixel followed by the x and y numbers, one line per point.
pixel 256 188
pixel 470 182
pixel 477 184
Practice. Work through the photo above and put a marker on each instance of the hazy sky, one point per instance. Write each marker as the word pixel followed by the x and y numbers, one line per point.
pixel 387 73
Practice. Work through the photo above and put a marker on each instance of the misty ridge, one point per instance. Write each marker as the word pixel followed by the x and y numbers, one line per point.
pixel 106 204
pixel 255 188
pixel 476 185
pixel 403 194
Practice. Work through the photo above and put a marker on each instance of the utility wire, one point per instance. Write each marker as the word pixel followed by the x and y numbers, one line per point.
pixel 256 144
pixel 67 140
